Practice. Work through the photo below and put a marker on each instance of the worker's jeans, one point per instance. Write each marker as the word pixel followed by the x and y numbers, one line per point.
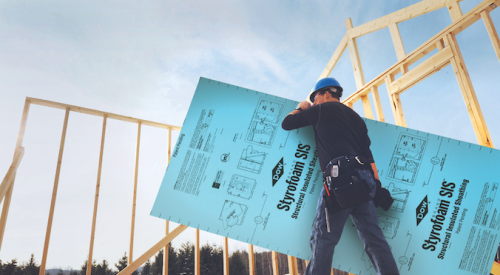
pixel 365 219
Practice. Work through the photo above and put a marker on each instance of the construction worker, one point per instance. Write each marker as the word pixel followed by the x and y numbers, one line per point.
pixel 344 152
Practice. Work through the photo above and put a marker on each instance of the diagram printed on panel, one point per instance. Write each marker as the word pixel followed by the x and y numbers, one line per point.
pixel 400 197
pixel 251 160
pixel 485 204
pixel 265 122
pixel 389 225
pixel 283 144
pixel 242 187
pixel 260 220
pixel 404 260
pixel 232 214
pixel 407 158
pixel 435 160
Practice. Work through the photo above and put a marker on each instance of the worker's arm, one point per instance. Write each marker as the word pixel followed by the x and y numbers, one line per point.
pixel 297 119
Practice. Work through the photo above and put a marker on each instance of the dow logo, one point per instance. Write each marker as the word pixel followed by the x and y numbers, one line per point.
pixel 422 210
pixel 278 171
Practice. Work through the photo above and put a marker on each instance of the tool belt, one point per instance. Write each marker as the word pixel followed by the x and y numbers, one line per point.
pixel 344 186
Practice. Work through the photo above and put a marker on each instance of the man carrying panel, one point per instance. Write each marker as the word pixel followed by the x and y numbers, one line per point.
pixel 349 174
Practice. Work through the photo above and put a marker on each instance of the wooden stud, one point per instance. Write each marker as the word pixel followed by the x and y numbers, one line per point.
pixel 134 194
pixel 197 252
pixel 82 110
pixel 8 194
pixel 377 103
pixel 225 251
pixel 292 265
pixel 358 70
pixel 11 173
pixel 24 121
pixel 5 209
pixel 388 80
pixel 491 32
pixel 397 41
pixel 396 101
pixel 166 249
pixel 356 62
pixel 367 107
pixel 251 260
pixel 422 71
pixel 153 250
pixel 403 69
pixel 412 11
pixel 54 194
pixel 469 95
pixel 397 108
pixel 96 199
pixel 454 10
pixel 276 269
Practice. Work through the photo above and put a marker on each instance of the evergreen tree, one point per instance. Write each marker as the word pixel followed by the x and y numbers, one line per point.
pixel 123 263
pixel 10 268
pixel 173 265
pixel 186 258
pixel 236 264
pixel 73 272
pixel 60 272
pixel 31 268
pixel 263 261
pixel 103 269
pixel 211 260
pixel 83 270
pixel 146 268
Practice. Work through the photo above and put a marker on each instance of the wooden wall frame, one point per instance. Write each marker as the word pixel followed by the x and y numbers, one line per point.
pixel 7 184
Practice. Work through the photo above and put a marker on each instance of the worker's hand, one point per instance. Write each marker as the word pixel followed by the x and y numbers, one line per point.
pixel 304 105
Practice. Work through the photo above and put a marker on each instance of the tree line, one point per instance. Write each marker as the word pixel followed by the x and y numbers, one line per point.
pixel 180 262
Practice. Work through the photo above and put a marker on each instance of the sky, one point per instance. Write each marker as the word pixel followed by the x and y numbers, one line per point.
pixel 144 60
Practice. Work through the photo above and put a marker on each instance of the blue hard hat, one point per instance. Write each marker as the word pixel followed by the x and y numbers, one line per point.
pixel 326 82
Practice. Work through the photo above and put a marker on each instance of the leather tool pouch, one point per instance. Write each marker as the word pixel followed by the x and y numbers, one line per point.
pixel 347 191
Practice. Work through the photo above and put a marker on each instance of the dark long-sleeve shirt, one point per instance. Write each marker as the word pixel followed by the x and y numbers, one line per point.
pixel 338 129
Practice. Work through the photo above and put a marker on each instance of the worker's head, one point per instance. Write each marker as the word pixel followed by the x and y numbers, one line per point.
pixel 324 89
